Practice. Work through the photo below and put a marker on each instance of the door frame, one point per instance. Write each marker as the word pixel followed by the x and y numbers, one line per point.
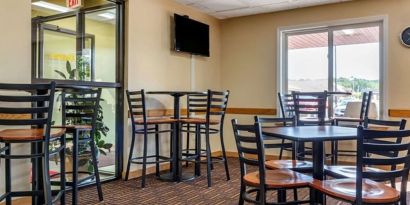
pixel 118 85
pixel 281 56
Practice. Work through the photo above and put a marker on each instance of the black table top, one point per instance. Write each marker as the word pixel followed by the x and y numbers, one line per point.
pixel 177 92
pixel 312 133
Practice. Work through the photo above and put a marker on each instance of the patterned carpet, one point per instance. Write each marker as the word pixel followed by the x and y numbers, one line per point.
pixel 189 193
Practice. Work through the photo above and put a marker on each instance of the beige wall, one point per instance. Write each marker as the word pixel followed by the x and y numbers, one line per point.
pixel 152 65
pixel 249 51
pixel 15 62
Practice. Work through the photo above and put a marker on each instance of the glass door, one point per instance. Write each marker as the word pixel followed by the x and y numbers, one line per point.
pixel 84 47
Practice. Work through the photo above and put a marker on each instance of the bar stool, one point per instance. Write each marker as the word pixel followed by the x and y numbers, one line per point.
pixel 79 116
pixel 35 110
pixel 214 106
pixel 140 125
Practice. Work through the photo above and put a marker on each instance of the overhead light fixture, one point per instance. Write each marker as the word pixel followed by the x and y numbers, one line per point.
pixel 348 32
pixel 51 6
pixel 109 16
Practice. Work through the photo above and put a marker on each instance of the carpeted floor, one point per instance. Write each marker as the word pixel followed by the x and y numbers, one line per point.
pixel 189 193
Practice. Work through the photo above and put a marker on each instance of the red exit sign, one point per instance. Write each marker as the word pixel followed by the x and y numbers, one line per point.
pixel 73 4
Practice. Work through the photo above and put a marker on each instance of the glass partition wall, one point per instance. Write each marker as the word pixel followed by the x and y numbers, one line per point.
pixel 84 47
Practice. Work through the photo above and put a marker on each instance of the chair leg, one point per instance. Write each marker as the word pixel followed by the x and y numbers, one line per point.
pixel 295 194
pixel 241 194
pixel 34 173
pixel 208 158
pixel 157 150
pixel 130 156
pixel 8 174
pixel 187 143
pixel 224 155
pixel 75 168
pixel 46 175
pixel 62 171
pixel 281 195
pixel 281 150
pixel 144 161
pixel 96 171
pixel 335 152
pixel 197 150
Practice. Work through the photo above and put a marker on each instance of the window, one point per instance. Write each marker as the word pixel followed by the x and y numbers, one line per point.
pixel 346 58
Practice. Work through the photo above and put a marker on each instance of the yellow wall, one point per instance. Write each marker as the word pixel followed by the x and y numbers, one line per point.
pixel 249 50
pixel 15 67
pixel 152 65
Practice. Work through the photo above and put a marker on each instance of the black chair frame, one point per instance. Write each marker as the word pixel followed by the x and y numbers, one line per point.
pixel 41 106
pixel 252 144
pixel 137 107
pixel 79 107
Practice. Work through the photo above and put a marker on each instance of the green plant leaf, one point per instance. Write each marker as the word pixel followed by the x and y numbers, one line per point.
pixel 103 152
pixel 68 66
pixel 61 74
pixel 107 146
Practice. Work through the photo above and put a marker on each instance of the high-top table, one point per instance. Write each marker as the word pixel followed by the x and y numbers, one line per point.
pixel 177 143
pixel 317 135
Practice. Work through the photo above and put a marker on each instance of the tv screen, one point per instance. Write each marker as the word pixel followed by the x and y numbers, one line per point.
pixel 191 36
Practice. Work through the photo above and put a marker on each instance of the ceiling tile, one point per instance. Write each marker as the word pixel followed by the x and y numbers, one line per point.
pixel 233 8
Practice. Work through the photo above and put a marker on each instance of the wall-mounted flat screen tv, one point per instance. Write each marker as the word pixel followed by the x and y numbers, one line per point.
pixel 191 36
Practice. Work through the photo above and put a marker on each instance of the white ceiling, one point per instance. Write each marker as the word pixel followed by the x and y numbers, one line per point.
pixel 223 9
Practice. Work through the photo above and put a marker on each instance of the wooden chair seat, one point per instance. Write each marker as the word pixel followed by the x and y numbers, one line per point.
pixel 74 127
pixel 156 120
pixel 345 189
pixel 348 171
pixel 28 134
pixel 279 178
pixel 199 121
pixel 288 164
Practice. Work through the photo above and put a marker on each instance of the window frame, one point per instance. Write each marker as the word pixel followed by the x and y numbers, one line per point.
pixel 329 27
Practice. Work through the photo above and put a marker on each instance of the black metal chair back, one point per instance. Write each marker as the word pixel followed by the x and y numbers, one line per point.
pixel 250 147
pixel 287 106
pixel 34 102
pixel 80 107
pixel 196 104
pixel 137 109
pixel 310 105
pixel 366 101
pixel 217 105
pixel 272 142
pixel 368 144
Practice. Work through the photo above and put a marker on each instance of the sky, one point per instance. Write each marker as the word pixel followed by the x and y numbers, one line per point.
pixel 359 61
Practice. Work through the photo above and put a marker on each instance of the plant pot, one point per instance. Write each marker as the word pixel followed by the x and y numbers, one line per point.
pixel 83 162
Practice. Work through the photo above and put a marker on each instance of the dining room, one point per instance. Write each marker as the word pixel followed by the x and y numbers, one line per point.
pixel 204 101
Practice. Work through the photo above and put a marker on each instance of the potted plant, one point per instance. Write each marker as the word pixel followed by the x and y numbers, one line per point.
pixel 82 72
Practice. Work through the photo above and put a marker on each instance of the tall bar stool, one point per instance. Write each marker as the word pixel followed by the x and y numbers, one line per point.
pixel 141 124
pixel 79 116
pixel 214 106
pixel 32 105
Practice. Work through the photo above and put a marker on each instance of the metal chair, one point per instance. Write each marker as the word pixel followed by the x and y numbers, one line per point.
pixel 214 107
pixel 272 143
pixel 350 171
pixel 249 141
pixel 144 125
pixel 311 110
pixel 79 108
pixel 31 105
pixel 363 189
pixel 364 112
